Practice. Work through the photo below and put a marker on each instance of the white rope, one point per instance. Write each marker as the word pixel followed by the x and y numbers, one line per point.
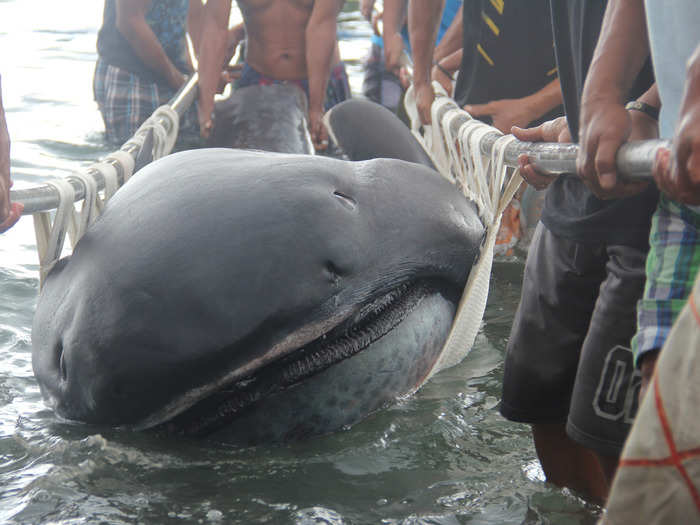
pixel 164 137
pixel 50 236
pixel 109 174
pixel 125 161
pixel 83 217
pixel 487 181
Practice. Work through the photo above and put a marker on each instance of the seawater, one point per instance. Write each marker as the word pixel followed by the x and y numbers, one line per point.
pixel 442 456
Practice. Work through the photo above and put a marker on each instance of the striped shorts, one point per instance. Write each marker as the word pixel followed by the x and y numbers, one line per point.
pixel 125 101
pixel 671 267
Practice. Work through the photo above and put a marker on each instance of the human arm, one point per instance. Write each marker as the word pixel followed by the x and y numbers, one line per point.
pixel 677 171
pixel 213 45
pixel 605 123
pixel 443 71
pixel 556 130
pixel 452 39
pixel 9 212
pixel 506 113
pixel 423 20
pixel 393 19
pixel 195 18
pixel 321 42
pixel 366 7
pixel 131 23
pixel 236 35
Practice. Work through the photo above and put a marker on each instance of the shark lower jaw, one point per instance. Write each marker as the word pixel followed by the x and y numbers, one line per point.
pixel 358 334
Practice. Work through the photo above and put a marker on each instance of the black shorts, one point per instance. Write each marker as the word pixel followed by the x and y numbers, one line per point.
pixel 568 357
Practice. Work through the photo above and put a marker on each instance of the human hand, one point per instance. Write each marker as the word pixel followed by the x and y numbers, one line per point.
pixel 9 212
pixel 234 72
pixel 376 18
pixel 317 129
pixel 443 78
pixel 205 113
pixel 227 76
pixel 393 48
pixel 405 77
pixel 677 171
pixel 424 100
pixel 556 130
pixel 12 212
pixel 504 113
pixel 605 126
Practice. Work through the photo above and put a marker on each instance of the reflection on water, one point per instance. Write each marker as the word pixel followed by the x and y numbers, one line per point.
pixel 442 456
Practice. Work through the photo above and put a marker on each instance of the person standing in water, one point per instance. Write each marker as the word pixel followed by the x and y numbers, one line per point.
pixel 142 60
pixel 287 41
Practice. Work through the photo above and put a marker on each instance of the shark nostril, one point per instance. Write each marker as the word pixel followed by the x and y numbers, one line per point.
pixel 61 361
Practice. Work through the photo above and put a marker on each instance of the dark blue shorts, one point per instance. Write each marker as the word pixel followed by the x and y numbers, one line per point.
pixel 568 359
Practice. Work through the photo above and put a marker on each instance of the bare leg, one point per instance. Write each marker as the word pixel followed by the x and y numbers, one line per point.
pixel 568 464
pixel 609 466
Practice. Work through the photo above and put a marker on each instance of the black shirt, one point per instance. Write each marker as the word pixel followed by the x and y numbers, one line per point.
pixel 507 51
pixel 571 210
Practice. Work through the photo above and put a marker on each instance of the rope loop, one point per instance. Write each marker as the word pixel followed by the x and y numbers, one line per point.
pixel 50 235
pixel 125 161
pixel 81 218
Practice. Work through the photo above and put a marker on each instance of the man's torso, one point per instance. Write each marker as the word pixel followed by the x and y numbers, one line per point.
pixel 276 36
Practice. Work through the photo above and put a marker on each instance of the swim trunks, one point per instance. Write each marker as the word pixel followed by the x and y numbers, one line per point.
pixel 672 264
pixel 126 100
pixel 337 91
pixel 568 357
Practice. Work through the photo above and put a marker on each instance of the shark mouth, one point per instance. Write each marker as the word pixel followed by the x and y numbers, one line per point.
pixel 371 323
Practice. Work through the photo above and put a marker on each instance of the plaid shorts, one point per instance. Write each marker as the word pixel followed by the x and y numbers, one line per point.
pixel 337 90
pixel 672 264
pixel 125 101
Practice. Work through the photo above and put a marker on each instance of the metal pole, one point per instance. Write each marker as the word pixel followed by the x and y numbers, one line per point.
pixel 635 160
pixel 45 197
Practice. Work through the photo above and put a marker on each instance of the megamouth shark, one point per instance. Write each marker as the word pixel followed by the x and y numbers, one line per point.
pixel 250 296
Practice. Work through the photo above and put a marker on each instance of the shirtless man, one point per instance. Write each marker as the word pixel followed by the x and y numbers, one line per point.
pixel 288 40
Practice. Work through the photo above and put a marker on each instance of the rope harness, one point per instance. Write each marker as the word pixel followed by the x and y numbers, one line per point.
pixel 453 142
